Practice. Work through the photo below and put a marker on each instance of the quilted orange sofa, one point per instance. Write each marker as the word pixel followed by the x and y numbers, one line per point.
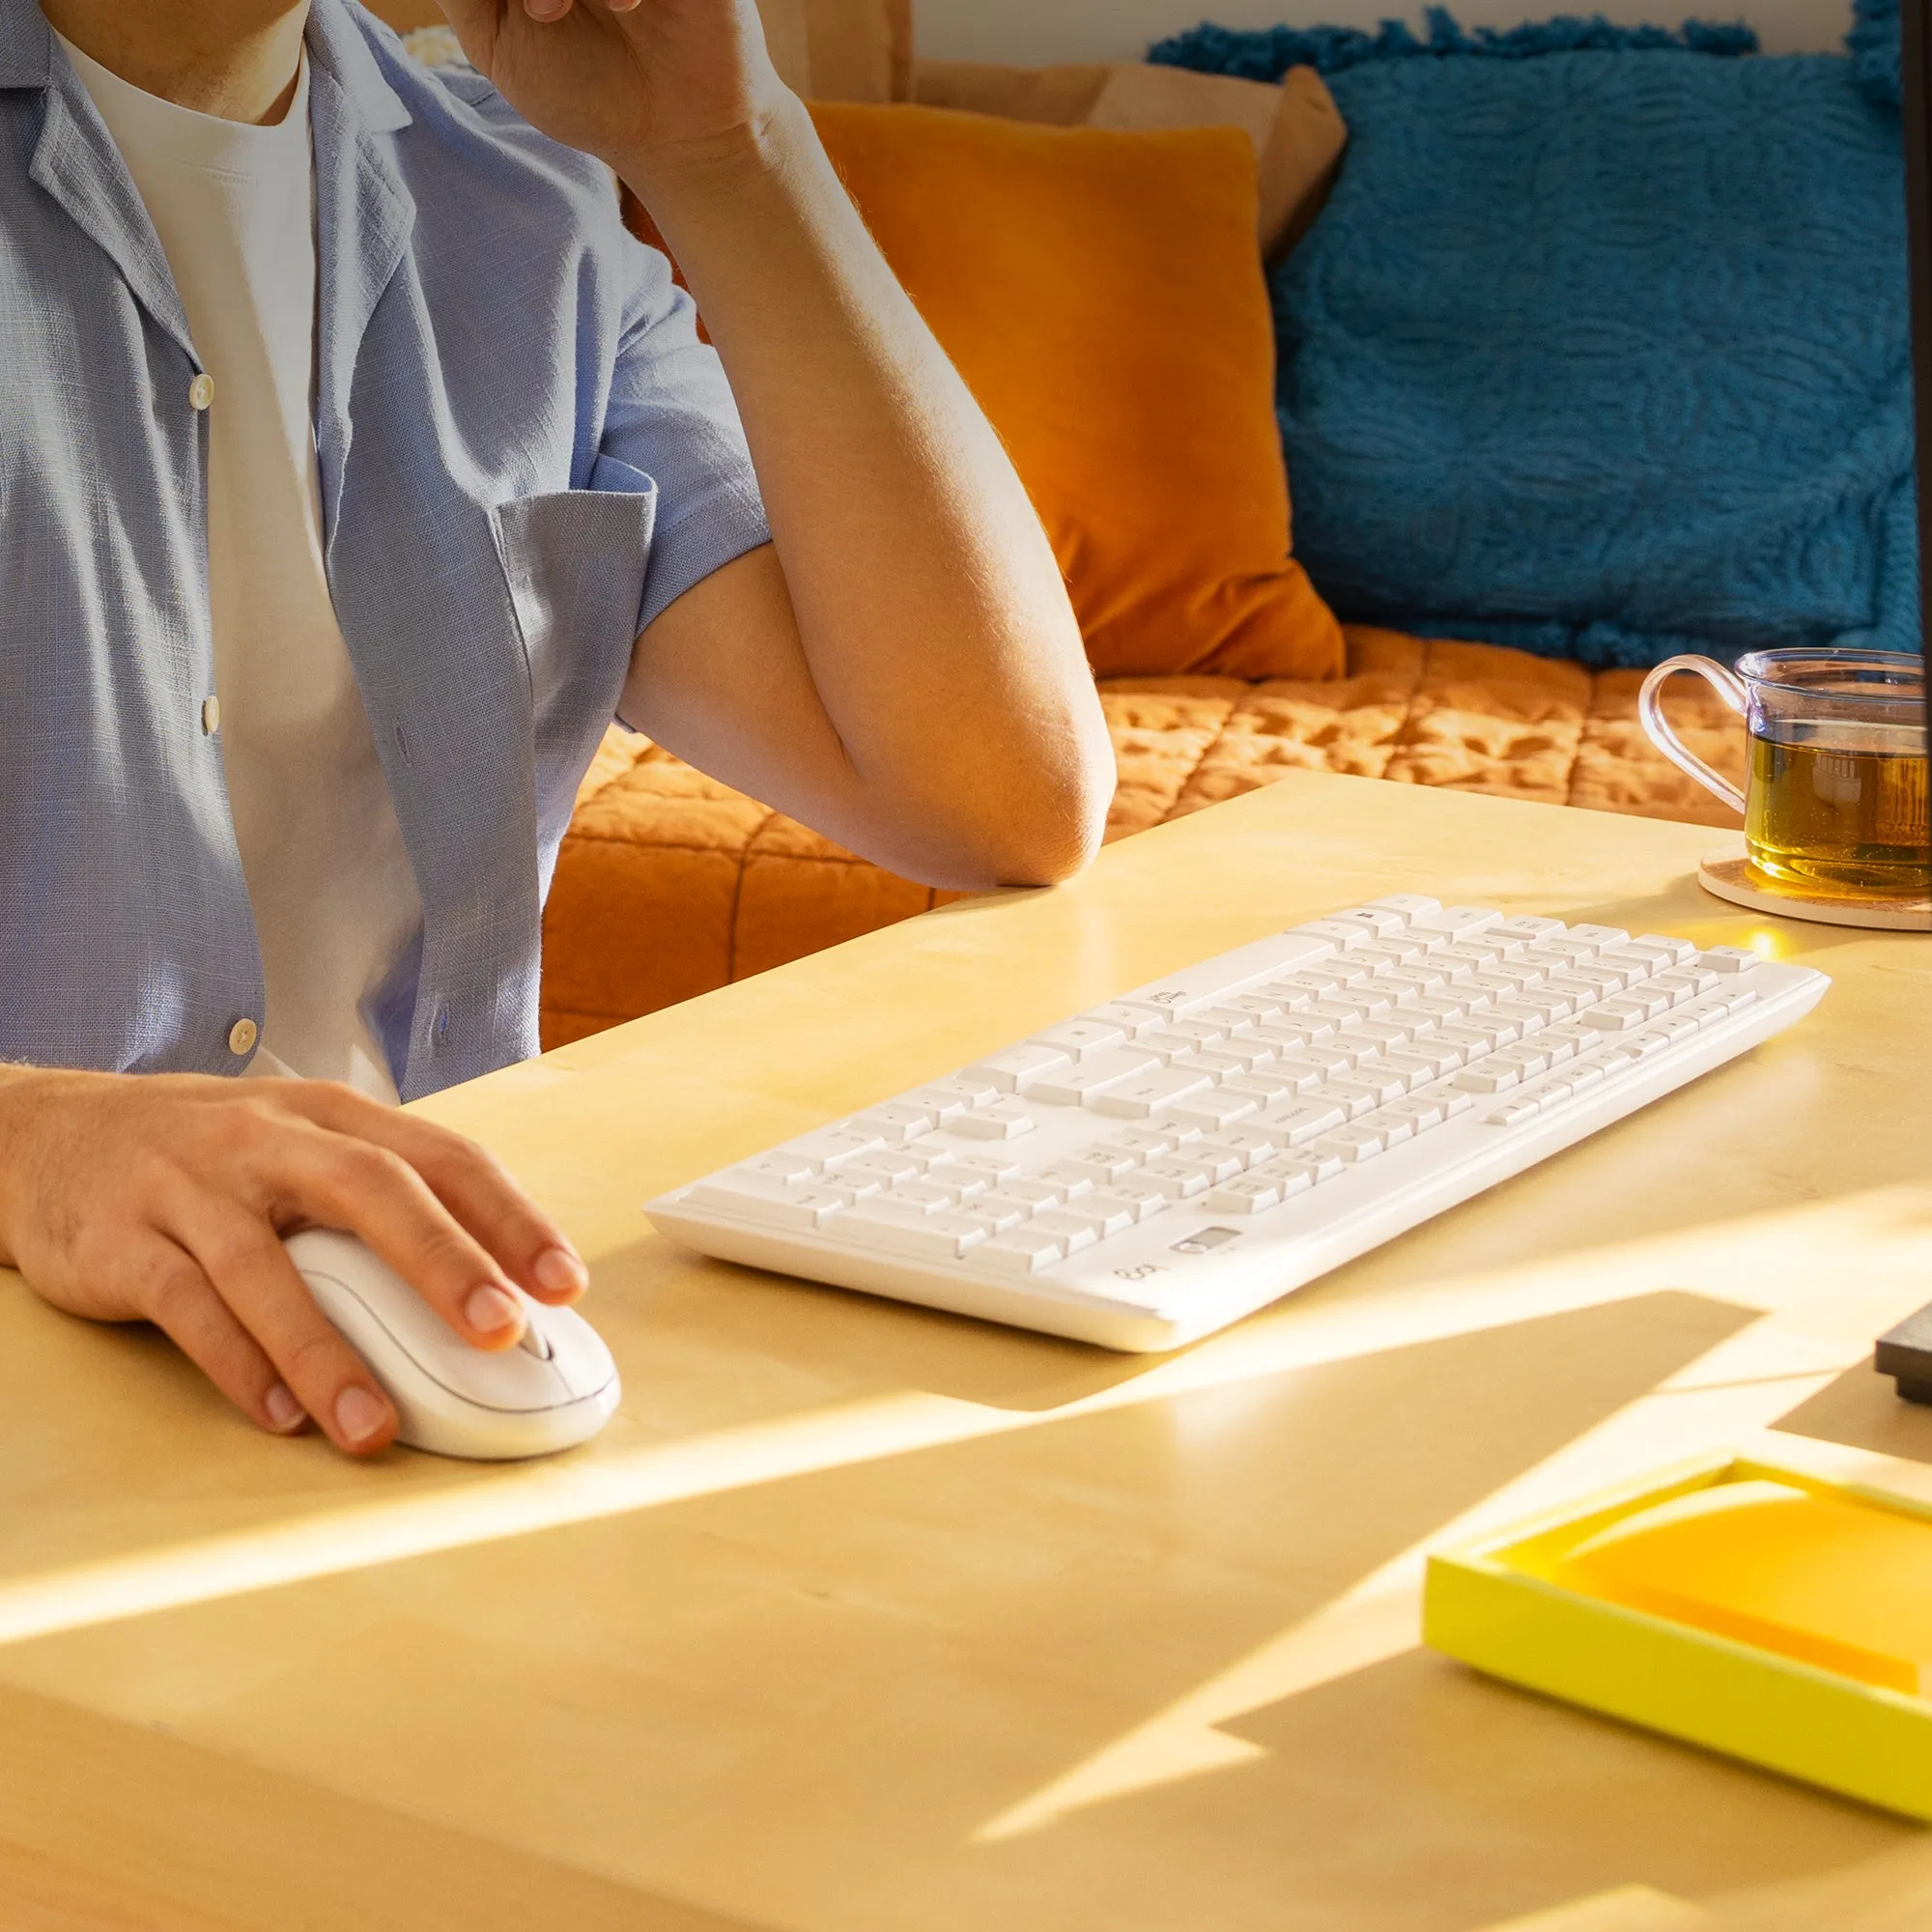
pixel 669 884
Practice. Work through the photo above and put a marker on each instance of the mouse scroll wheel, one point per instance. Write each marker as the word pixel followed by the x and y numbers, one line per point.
pixel 535 1342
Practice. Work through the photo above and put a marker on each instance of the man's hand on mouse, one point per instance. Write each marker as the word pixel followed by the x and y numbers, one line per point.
pixel 164 1198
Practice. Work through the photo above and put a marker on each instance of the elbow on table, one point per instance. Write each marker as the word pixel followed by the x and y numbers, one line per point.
pixel 1041 831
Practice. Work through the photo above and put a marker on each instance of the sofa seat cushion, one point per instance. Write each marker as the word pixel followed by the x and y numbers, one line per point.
pixel 669 885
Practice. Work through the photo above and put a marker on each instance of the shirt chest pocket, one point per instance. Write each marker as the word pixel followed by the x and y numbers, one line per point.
pixel 574 563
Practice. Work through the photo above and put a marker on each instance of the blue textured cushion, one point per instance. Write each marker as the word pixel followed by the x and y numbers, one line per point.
pixel 1607 353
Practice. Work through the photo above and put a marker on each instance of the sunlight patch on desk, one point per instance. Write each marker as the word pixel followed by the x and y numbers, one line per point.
pixel 1630 1908
pixel 1732 1394
pixel 1758 1263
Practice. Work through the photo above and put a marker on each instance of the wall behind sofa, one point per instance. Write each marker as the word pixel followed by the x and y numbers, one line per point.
pixel 1035 31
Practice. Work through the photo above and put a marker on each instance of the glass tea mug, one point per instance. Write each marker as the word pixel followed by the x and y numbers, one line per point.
pixel 1835 800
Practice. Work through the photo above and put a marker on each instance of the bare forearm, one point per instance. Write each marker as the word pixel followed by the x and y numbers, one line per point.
pixel 929 608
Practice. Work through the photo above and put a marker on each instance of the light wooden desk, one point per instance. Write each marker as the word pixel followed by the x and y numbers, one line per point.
pixel 860 1619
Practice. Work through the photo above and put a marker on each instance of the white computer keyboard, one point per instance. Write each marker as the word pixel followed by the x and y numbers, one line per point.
pixel 1148 1171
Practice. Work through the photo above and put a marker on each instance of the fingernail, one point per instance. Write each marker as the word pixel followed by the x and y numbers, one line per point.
pixel 561 1272
pixel 285 1412
pixel 490 1311
pixel 358 1414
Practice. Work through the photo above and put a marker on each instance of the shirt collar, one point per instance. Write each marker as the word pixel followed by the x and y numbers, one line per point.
pixel 335 42
pixel 26 44
pixel 338 46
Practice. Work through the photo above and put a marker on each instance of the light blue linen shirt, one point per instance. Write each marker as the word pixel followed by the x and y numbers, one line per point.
pixel 525 455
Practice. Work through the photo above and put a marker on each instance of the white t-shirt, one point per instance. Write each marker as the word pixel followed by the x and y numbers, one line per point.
pixel 335 902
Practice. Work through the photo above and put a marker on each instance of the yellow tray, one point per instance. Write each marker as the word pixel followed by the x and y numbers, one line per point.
pixel 1483 1606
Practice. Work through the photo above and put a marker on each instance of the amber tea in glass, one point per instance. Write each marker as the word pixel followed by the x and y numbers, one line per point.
pixel 1834 801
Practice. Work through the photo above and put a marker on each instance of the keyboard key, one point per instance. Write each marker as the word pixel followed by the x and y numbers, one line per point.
pixel 905 1230
pixel 1684 983
pixel 1676 1025
pixel 786 1169
pixel 1340 934
pixel 897 1122
pixel 1141 1144
pixel 1306 1120
pixel 1526 1060
pixel 995 1214
pixel 959 1095
pixel 1615 1015
pixel 1215 1109
pixel 1292 1175
pixel 1497 985
pixel 1374 920
pixel 1411 905
pixel 1016 1068
pixel 1472 1039
pixel 773 1203
pixel 1351 1146
pixel 1380 1034
pixel 924 1196
pixel 1179 1178
pixel 1417 1069
pixel 1599 936
pixel 1003 1122
pixel 957 1178
pixel 1315 984
pixel 1266 1084
pixel 1012 1201
pixel 887 1168
pixel 1422 978
pixel 1244 1143
pixel 1526 1020
pixel 1529 930
pixel 1488 1078
pixel 1131 1019
pixel 1551 1004
pixel 1073 1230
pixel 1081 1037
pixel 830 1145
pixel 1456 919
pixel 1094 1075
pixel 1101 1217
pixel 1393 1127
pixel 1513 1113
pixel 1101 1165
pixel 1069 1179
pixel 1133 1194
pixel 1248 1053
pixel 1025 1251
pixel 1673 951
pixel 1375 1081
pixel 1230 1022
pixel 1421 1113
pixel 1251 1194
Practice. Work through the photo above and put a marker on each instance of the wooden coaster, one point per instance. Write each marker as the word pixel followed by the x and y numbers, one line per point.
pixel 1734 879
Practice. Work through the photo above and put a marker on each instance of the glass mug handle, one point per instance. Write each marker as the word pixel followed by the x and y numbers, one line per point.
pixel 1650 714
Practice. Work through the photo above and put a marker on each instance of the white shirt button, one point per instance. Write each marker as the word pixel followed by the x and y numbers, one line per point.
pixel 201 392
pixel 242 1038
pixel 211 715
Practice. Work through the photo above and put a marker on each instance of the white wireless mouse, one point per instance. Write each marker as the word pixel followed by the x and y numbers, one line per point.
pixel 555 1389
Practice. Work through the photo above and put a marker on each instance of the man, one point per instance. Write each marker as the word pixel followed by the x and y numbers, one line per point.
pixel 354 469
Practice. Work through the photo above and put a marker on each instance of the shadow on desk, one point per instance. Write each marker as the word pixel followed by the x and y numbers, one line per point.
pixel 1863 1409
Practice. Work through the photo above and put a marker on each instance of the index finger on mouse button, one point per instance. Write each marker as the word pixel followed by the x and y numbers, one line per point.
pixel 374 1193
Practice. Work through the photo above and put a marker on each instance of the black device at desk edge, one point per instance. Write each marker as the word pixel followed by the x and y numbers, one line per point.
pixel 1906 1352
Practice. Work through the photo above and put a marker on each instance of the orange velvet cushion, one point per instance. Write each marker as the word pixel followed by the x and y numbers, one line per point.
pixel 1100 293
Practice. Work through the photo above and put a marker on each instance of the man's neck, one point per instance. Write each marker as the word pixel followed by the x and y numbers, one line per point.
pixel 239 59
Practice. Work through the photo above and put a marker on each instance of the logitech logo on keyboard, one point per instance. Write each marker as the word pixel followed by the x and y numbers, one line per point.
pixel 1206 1241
